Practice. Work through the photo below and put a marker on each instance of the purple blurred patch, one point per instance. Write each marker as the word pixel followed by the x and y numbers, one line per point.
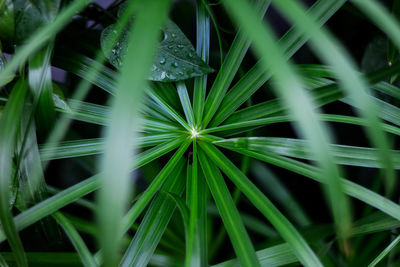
pixel 104 3
pixel 58 75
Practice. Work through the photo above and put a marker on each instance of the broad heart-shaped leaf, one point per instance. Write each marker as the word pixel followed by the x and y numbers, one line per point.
pixel 175 60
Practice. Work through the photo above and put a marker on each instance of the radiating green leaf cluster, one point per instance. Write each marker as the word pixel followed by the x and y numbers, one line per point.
pixel 185 169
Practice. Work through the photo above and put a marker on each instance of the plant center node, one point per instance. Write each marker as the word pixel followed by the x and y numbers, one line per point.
pixel 194 133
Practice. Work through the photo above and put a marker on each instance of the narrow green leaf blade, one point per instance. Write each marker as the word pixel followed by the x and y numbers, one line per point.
pixel 264 205
pixel 229 214
pixel 71 194
pixel 352 189
pixel 298 148
pixel 185 101
pixel 196 194
pixel 230 66
pixel 291 42
pixel 385 252
pixel 203 50
pixel 116 162
pixel 299 105
pixel 155 221
pixel 10 114
pixel 76 240
pixel 331 51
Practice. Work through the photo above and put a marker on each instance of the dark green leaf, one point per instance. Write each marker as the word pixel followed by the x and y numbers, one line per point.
pixel 6 20
pixel 11 113
pixel 40 84
pixel 27 20
pixel 175 60
pixel 32 185
pixel 48 8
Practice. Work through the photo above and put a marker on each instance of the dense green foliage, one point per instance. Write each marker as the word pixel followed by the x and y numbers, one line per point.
pixel 154 151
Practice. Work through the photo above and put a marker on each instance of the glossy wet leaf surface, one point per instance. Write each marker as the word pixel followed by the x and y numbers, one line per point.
pixel 175 60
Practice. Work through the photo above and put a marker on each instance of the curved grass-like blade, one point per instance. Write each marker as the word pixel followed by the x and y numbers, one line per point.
pixel 282 254
pixel 29 174
pixel 185 101
pixel 299 105
pixel 100 115
pixel 10 115
pixel 382 18
pixel 203 50
pixel 291 42
pixel 145 198
pixel 331 51
pixel 229 214
pixel 76 240
pixel 41 87
pixel 272 106
pixel 81 66
pixel 278 255
pixel 41 37
pixel 71 194
pixel 3 262
pixel 352 189
pixel 385 252
pixel 298 148
pixel 94 146
pixel 155 221
pixel 170 110
pixel 196 196
pixel 117 160
pixel 303 252
pixel 238 127
pixel 230 66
